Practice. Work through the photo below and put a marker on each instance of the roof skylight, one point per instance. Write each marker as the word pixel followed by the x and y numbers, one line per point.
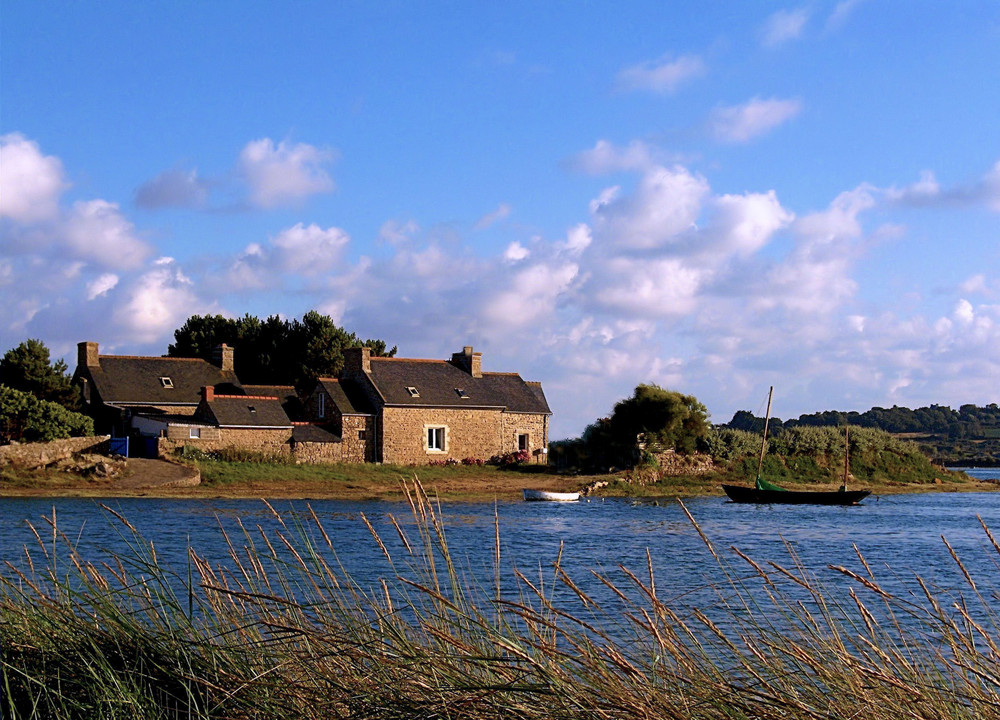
pixel 167 383
pixel 413 392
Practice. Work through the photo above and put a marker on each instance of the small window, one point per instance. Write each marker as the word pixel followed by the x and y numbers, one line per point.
pixel 321 411
pixel 462 394
pixel 167 383
pixel 413 392
pixel 194 433
pixel 252 409
pixel 435 439
pixel 522 442
pixel 362 435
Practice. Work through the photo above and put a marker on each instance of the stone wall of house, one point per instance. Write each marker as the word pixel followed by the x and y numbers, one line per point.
pixel 28 456
pixel 209 433
pixel 317 452
pixel 357 449
pixel 468 434
pixel 532 424
pixel 250 439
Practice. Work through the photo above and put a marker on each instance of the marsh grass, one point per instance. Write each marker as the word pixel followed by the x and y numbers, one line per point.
pixel 282 631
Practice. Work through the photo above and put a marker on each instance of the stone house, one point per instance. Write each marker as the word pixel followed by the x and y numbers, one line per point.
pixel 131 394
pixel 413 411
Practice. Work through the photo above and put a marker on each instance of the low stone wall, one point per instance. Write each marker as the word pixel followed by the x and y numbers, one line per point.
pixel 672 464
pixel 316 452
pixel 29 456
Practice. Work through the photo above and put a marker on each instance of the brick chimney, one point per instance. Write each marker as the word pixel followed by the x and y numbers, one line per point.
pixel 471 362
pixel 357 361
pixel 222 356
pixel 208 393
pixel 86 355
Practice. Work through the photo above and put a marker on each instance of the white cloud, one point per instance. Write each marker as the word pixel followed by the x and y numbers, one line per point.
pixel 529 296
pixel 923 192
pixel 605 157
pixel 665 288
pixel 741 123
pixel 841 13
pixel 783 26
pixel 991 188
pixel 666 204
pixel 578 239
pixel 975 284
pixel 964 312
pixel 173 188
pixel 309 249
pixel 744 223
pixel 157 302
pixel 30 183
pixel 101 285
pixel 502 211
pixel 284 174
pixel 395 232
pixel 96 230
pixel 516 252
pixel 661 76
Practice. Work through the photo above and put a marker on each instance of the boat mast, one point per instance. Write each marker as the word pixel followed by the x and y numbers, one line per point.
pixel 847 454
pixel 763 442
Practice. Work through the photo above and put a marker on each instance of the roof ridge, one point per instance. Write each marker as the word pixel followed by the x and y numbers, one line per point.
pixel 248 397
pixel 515 374
pixel 419 360
pixel 151 357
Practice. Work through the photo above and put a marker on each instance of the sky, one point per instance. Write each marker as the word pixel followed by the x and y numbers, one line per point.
pixel 714 197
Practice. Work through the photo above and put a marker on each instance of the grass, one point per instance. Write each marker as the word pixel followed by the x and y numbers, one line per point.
pixel 284 632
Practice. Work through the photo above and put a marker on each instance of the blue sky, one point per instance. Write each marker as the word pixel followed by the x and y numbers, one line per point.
pixel 715 197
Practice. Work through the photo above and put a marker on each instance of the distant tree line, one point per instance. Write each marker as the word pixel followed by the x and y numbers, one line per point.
pixel 274 351
pixel 969 421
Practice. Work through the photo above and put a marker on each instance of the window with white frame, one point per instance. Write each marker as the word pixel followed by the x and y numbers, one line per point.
pixel 435 439
pixel 194 433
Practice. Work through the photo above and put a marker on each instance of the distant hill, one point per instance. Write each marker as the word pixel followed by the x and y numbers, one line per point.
pixel 967 436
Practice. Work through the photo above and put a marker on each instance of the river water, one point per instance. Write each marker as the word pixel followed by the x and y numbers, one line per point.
pixel 900 536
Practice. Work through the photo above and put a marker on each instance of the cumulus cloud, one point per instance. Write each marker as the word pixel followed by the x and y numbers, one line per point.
pixel 96 230
pixel 663 76
pixel 173 188
pixel 783 26
pixel 666 204
pixel 30 183
pixel 309 249
pixel 605 157
pixel 530 295
pixel 502 211
pixel 516 252
pixel 743 224
pixel 742 123
pixel 156 303
pixel 101 285
pixel 578 239
pixel 395 232
pixel 284 174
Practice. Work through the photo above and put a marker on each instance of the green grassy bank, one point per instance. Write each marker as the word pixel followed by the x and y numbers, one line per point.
pixel 285 633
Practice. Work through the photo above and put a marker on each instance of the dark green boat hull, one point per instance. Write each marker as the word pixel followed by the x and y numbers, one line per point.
pixel 744 494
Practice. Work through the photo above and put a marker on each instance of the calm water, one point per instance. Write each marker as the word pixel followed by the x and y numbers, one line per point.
pixel 899 535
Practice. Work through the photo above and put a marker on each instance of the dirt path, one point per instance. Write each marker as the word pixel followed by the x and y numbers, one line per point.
pixel 142 474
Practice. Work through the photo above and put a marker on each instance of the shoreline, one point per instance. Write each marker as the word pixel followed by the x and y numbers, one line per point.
pixel 447 485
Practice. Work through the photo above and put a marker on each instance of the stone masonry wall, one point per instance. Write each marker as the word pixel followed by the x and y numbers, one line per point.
pixel 253 440
pixel 356 450
pixel 313 452
pixel 534 425
pixel 468 434
pixel 28 456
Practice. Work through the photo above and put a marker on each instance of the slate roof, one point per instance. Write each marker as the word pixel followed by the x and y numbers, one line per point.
pixel 346 396
pixel 438 383
pixel 312 433
pixel 127 379
pixel 247 411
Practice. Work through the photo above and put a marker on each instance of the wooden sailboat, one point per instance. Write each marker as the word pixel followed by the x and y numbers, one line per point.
pixel 762 492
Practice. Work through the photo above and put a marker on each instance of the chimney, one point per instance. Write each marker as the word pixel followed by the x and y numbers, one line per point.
pixel 357 361
pixel 471 362
pixel 222 356
pixel 86 355
pixel 208 393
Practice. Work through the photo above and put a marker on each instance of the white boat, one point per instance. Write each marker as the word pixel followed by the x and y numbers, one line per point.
pixel 552 496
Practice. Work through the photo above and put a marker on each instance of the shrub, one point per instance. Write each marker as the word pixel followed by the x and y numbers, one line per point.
pixel 25 417
pixel 510 459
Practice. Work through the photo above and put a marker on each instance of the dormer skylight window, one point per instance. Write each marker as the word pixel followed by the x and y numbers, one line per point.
pixel 413 392
pixel 167 383
pixel 252 409
pixel 462 394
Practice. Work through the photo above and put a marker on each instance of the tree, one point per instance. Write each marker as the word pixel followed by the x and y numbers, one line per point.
pixel 25 417
pixel 275 350
pixel 28 368
pixel 662 419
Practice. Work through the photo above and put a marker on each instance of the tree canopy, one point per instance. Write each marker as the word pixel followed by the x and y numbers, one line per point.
pixel 661 419
pixel 273 350
pixel 24 417
pixel 28 368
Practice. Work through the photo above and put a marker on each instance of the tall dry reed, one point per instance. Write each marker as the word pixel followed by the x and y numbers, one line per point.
pixel 283 631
